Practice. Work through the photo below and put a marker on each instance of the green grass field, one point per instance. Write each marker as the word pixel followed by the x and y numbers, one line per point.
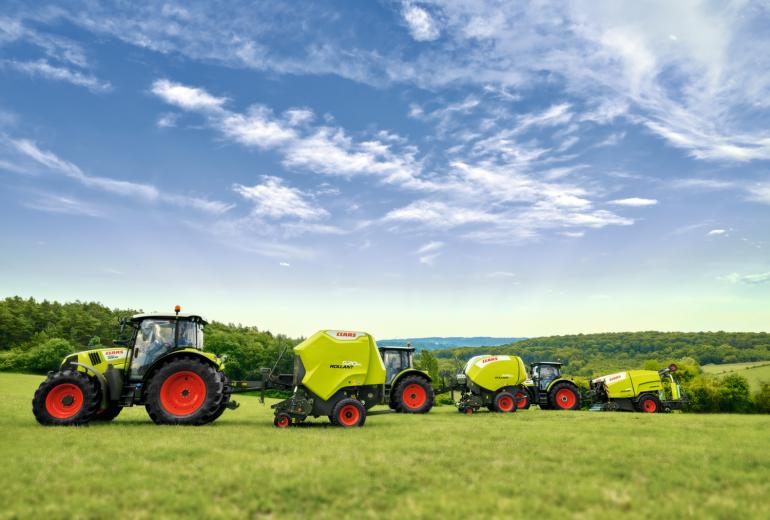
pixel 532 464
pixel 755 372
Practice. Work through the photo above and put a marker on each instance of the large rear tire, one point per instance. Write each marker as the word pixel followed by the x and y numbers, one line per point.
pixel 564 396
pixel 414 394
pixel 66 398
pixel 505 402
pixel 349 413
pixel 185 391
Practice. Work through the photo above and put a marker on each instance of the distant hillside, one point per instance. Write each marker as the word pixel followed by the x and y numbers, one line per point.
pixel 436 343
pixel 586 354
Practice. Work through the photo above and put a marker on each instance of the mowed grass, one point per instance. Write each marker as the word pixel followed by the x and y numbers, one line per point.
pixel 531 464
pixel 755 372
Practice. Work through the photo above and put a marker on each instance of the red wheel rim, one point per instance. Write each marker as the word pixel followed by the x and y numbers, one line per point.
pixel 505 403
pixel 522 399
pixel 469 411
pixel 64 401
pixel 414 396
pixel 282 422
pixel 182 393
pixel 565 398
pixel 349 415
pixel 649 406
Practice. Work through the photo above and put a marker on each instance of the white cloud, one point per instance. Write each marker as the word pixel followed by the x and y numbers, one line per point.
pixel 188 98
pixel 44 69
pixel 284 264
pixel 760 193
pixel 429 259
pixel 167 120
pixel 750 279
pixel 717 232
pixel 634 202
pixel 275 200
pixel 501 274
pixel 430 246
pixel 421 24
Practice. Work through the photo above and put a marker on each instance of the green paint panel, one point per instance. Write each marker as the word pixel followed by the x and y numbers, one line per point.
pixel 335 359
pixel 631 383
pixel 495 372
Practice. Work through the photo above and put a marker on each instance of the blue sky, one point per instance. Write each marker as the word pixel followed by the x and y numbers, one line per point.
pixel 407 168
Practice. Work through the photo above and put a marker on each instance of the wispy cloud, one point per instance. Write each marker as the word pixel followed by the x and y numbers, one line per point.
pixel 717 232
pixel 50 203
pixel 44 69
pixel 145 192
pixel 275 200
pixel 750 279
pixel 634 202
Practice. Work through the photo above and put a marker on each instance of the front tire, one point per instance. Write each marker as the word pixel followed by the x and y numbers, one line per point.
pixel 349 413
pixel 414 394
pixel 66 398
pixel 109 413
pixel 184 391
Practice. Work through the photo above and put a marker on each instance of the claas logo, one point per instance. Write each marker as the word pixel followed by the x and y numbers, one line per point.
pixel 346 334
pixel 489 359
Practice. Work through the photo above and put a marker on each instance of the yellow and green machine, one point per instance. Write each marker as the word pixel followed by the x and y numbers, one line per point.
pixel 160 364
pixel 650 391
pixel 491 381
pixel 341 374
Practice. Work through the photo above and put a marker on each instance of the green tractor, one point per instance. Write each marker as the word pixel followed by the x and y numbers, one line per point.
pixel 161 365
pixel 494 382
pixel 648 391
pixel 342 374
pixel 549 389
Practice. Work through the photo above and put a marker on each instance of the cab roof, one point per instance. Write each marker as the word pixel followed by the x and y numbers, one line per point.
pixel 395 347
pixel 552 363
pixel 166 316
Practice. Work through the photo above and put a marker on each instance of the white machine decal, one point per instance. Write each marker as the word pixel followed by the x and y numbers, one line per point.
pixel 345 335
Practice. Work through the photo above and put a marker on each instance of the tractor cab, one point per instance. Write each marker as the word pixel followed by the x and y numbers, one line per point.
pixel 396 360
pixel 156 335
pixel 544 372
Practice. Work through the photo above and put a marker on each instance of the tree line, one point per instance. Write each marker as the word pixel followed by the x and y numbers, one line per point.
pixel 36 335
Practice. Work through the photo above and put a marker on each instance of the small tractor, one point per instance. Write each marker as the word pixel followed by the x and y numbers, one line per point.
pixel 549 389
pixel 161 365
pixel 341 374
pixel 494 382
pixel 648 391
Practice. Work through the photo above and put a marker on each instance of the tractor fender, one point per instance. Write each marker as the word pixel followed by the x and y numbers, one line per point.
pixel 100 378
pixel 409 372
pixel 177 354
pixel 562 380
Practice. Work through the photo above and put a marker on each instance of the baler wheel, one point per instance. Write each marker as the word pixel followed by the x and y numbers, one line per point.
pixel 414 394
pixel 523 399
pixel 505 402
pixel 282 420
pixel 648 404
pixel 564 396
pixel 348 413
pixel 66 398
pixel 184 391
pixel 468 411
